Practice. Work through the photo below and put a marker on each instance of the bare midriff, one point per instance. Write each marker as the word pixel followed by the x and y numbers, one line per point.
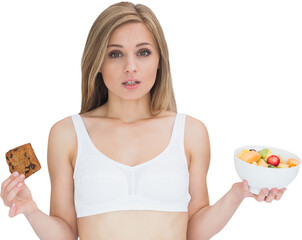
pixel 134 225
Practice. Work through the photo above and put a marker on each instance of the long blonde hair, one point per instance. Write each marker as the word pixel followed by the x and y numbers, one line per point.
pixel 94 91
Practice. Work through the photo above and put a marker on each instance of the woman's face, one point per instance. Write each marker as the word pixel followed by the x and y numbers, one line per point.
pixel 131 62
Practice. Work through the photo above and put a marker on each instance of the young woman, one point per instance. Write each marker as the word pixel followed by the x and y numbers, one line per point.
pixel 129 166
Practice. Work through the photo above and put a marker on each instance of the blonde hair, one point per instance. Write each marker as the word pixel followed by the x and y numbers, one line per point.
pixel 94 91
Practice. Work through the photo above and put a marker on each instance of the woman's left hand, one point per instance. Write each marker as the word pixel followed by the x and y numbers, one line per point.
pixel 273 194
pixel 243 190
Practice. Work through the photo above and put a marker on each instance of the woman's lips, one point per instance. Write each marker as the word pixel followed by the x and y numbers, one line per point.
pixel 131 80
pixel 132 86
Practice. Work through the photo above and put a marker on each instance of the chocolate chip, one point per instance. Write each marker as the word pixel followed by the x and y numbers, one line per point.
pixel 25 154
pixel 11 155
pixel 27 171
pixel 13 168
pixel 7 158
pixel 10 164
pixel 33 166
pixel 16 149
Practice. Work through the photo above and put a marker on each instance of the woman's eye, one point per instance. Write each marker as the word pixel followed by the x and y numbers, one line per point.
pixel 144 53
pixel 115 54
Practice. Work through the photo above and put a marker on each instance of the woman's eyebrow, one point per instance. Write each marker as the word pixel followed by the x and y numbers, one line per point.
pixel 137 45
pixel 142 44
pixel 114 45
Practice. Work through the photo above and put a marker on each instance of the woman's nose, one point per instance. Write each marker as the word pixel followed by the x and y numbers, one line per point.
pixel 130 65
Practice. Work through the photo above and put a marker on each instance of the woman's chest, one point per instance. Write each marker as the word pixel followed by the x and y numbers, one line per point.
pixel 132 144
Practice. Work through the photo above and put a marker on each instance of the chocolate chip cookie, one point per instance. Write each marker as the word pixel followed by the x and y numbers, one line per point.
pixel 23 159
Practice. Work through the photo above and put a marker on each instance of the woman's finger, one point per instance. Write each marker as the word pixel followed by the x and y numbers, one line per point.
pixel 246 188
pixel 14 183
pixel 271 196
pixel 9 198
pixel 12 210
pixel 245 185
pixel 261 195
pixel 280 194
pixel 8 181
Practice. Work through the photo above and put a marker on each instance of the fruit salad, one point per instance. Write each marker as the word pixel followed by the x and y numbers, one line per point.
pixel 265 158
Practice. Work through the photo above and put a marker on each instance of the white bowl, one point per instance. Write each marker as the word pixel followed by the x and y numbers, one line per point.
pixel 261 177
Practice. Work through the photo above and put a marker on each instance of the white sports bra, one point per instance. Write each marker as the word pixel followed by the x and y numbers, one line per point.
pixel 103 185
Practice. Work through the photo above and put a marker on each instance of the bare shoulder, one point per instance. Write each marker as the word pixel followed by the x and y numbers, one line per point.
pixel 196 136
pixel 62 137
pixel 195 127
pixel 63 127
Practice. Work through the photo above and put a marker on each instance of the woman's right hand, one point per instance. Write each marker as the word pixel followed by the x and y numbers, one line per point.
pixel 17 196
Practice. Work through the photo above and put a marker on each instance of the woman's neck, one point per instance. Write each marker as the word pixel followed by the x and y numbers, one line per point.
pixel 128 111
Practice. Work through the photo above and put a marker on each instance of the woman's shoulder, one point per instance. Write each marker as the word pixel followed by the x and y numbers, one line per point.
pixel 194 124
pixel 63 132
pixel 63 126
pixel 62 136
pixel 197 141
pixel 195 131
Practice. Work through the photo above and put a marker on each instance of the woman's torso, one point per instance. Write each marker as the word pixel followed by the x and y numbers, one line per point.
pixel 132 144
pixel 133 225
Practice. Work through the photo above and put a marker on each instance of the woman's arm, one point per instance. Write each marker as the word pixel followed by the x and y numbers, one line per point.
pixel 49 227
pixel 205 220
pixel 209 220
pixel 61 223
pixel 62 148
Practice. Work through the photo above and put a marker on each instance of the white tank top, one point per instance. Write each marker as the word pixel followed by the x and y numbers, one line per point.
pixel 103 185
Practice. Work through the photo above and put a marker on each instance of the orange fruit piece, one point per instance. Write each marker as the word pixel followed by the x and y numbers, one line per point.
pixel 250 156
pixel 262 163
pixel 243 152
pixel 292 162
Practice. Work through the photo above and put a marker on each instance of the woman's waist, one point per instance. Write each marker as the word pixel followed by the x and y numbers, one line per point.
pixel 137 224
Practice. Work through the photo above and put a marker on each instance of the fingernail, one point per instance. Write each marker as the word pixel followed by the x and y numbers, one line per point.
pixel 14 205
pixel 22 176
pixel 19 185
pixel 15 174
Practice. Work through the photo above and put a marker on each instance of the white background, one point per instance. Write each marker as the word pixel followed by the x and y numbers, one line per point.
pixel 236 66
